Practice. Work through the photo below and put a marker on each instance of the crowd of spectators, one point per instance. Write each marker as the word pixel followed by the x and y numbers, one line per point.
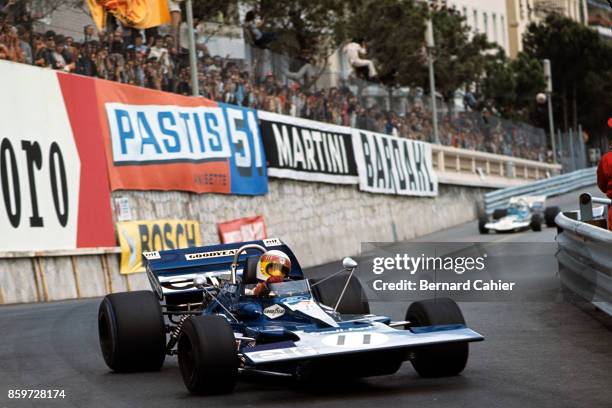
pixel 156 60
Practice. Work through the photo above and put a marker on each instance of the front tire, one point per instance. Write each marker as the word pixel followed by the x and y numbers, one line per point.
pixel 536 222
pixel 207 355
pixel 354 300
pixel 440 360
pixel 132 332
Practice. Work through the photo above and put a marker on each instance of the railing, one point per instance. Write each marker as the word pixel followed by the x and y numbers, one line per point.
pixel 474 168
pixel 585 252
pixel 549 187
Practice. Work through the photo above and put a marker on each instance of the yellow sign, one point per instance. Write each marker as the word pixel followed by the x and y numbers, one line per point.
pixel 136 237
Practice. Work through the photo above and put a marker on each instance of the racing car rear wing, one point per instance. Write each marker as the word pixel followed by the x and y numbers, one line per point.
pixel 174 270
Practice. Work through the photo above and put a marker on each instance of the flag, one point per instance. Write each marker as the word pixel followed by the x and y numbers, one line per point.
pixel 140 14
pixel 97 13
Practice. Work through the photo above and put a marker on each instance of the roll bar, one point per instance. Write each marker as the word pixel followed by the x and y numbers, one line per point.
pixel 237 256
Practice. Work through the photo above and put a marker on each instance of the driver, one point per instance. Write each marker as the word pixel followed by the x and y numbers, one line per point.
pixel 273 267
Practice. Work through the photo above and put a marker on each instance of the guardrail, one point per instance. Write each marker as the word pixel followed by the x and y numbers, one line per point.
pixel 474 168
pixel 550 187
pixel 585 252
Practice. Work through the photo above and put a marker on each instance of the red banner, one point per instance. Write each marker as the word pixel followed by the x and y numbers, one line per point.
pixel 243 229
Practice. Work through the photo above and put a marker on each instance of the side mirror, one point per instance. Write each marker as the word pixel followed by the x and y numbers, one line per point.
pixel 349 263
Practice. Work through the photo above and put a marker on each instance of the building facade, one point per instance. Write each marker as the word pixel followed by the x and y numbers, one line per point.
pixel 600 17
pixel 485 17
pixel 523 12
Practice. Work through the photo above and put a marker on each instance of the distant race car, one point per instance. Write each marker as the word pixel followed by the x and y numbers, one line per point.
pixel 524 212
pixel 203 309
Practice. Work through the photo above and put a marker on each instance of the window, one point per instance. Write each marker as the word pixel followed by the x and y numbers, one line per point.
pixel 494 18
pixel 485 24
pixel 503 30
pixel 465 12
pixel 476 20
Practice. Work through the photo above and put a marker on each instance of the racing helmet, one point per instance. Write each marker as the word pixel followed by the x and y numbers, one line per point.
pixel 273 263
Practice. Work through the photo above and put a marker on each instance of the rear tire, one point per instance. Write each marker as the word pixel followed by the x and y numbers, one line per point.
pixel 354 300
pixel 207 355
pixel 132 332
pixel 549 215
pixel 536 222
pixel 499 213
pixel 439 360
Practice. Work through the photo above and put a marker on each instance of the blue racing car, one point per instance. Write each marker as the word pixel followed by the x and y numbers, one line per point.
pixel 224 309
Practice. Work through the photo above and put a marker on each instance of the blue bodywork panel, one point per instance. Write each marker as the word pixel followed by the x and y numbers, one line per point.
pixel 212 258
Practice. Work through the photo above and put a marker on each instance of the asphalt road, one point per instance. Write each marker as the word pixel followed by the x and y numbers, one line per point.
pixel 536 354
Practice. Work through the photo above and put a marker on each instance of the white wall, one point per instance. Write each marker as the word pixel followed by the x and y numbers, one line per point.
pixel 320 222
pixel 493 11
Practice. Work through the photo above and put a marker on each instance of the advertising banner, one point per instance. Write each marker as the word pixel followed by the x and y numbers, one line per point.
pixel 243 229
pixel 162 141
pixel 55 192
pixel 392 165
pixel 136 237
pixel 302 149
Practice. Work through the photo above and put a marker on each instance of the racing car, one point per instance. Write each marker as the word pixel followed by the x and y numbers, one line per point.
pixel 204 309
pixel 522 213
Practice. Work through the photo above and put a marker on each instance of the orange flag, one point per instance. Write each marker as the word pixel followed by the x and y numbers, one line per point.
pixel 97 14
pixel 132 13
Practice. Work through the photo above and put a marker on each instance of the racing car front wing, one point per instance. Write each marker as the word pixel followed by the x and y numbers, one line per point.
pixel 348 341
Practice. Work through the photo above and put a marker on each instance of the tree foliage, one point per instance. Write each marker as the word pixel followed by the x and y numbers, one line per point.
pixel 581 70
pixel 510 86
pixel 459 55
pixel 303 27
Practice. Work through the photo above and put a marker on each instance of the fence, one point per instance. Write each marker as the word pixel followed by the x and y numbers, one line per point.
pixel 585 253
pixel 469 167
pixel 571 150
pixel 549 187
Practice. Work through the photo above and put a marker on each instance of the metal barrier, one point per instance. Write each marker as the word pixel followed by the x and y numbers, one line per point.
pixel 585 253
pixel 549 187
pixel 586 207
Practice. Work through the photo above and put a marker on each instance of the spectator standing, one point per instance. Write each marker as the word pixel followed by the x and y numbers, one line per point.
pixel 62 60
pixel 138 46
pixel 88 33
pixel 116 43
pixel 159 52
pixel 201 38
pixel 10 42
pixel 39 51
pixel 85 64
pixel 24 44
